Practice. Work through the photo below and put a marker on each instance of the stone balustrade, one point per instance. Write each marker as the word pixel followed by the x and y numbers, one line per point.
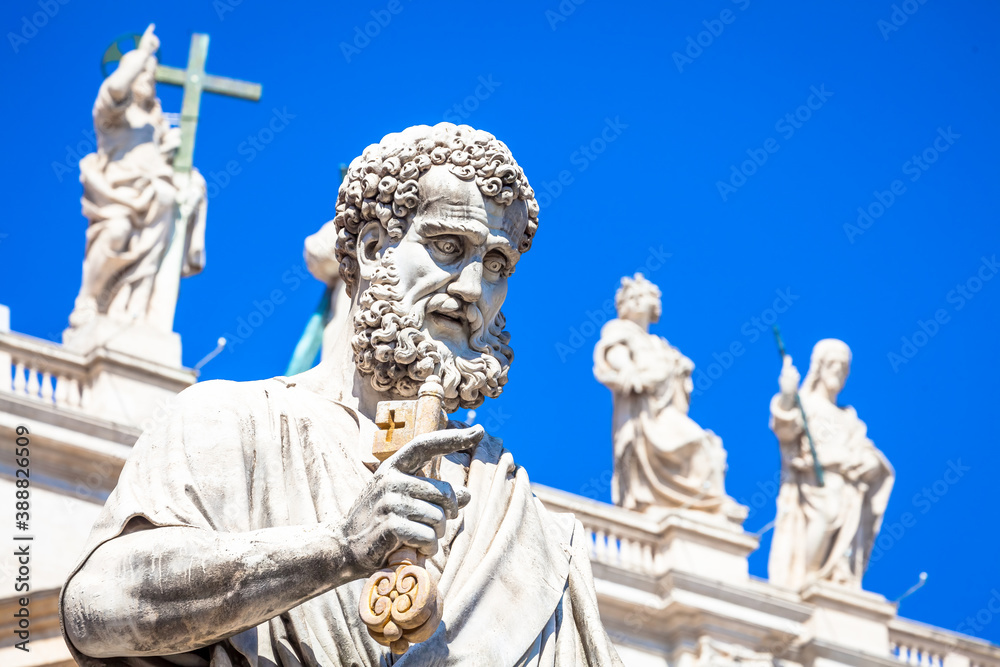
pixel 624 542
pixel 655 543
pixel 42 370
pixel 105 380
pixel 924 645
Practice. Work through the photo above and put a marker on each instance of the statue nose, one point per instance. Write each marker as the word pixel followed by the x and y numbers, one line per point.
pixel 469 284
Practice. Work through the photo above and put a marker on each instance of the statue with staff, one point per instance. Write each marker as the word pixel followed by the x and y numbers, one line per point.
pixel 835 482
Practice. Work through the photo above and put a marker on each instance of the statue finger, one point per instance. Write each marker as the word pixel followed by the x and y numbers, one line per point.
pixel 417 535
pixel 433 491
pixel 423 448
pixel 421 511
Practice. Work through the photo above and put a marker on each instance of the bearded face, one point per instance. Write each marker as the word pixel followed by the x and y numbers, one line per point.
pixel 830 366
pixel 833 372
pixel 432 302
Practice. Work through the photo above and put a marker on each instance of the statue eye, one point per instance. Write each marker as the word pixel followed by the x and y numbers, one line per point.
pixel 495 262
pixel 446 245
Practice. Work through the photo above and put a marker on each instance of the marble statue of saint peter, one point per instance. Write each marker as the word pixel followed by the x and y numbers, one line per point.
pixel 244 524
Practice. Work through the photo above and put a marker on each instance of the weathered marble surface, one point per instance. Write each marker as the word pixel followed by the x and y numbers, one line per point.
pixel 662 457
pixel 244 523
pixel 825 533
pixel 136 204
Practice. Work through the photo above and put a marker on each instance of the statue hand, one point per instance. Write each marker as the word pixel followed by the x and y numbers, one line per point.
pixel 799 464
pixel 149 43
pixel 789 379
pixel 399 508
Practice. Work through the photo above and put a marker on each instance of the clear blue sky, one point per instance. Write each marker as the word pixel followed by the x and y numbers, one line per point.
pixel 678 124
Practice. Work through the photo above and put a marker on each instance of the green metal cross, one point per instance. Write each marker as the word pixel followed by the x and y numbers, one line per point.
pixel 195 80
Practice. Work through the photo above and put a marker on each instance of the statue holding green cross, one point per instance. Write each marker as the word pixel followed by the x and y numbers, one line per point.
pixel 145 202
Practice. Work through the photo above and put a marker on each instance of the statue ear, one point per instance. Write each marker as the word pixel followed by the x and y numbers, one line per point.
pixel 369 249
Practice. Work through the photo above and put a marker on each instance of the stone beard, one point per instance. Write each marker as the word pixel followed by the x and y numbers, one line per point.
pixel 394 352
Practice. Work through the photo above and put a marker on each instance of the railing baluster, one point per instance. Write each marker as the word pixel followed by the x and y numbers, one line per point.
pixel 647 558
pixel 6 379
pixel 19 385
pixel 600 546
pixel 32 381
pixel 62 387
pixel 73 393
pixel 47 390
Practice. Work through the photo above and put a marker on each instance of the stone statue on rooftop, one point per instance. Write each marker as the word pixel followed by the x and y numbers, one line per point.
pixel 245 524
pixel 138 207
pixel 662 457
pixel 824 530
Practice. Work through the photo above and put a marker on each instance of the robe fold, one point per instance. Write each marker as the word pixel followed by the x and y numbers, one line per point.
pixel 662 456
pixel 515 579
pixel 826 532
pixel 130 194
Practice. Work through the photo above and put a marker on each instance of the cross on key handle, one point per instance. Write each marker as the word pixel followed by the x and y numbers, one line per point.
pixel 399 603
pixel 395 421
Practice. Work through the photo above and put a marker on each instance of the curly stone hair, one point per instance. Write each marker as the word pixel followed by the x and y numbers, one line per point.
pixel 381 185
pixel 637 286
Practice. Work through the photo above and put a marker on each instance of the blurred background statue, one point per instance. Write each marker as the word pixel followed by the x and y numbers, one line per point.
pixel 136 203
pixel 662 457
pixel 824 529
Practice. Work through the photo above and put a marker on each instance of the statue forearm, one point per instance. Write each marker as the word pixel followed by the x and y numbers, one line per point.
pixel 786 420
pixel 120 81
pixel 176 589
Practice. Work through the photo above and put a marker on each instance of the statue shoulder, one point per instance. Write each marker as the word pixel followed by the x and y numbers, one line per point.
pixel 213 406
pixel 214 395
pixel 619 331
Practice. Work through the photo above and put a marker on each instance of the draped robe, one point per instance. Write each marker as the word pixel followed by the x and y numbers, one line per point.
pixel 826 532
pixel 515 579
pixel 662 456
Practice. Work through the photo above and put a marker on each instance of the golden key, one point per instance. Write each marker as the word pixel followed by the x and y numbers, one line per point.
pixel 399 603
